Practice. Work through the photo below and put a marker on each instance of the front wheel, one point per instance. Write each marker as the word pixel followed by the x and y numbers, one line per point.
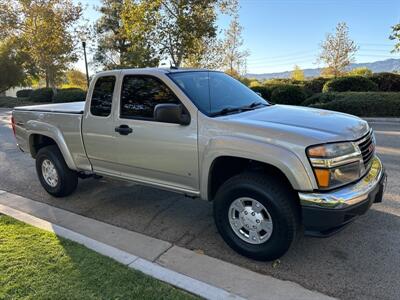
pixel 54 175
pixel 257 215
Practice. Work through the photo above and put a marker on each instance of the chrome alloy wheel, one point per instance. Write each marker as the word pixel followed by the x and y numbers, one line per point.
pixel 250 220
pixel 49 173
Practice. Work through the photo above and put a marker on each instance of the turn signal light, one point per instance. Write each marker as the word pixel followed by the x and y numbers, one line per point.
pixel 322 176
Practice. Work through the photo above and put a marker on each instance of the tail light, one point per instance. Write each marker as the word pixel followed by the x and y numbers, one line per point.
pixel 13 124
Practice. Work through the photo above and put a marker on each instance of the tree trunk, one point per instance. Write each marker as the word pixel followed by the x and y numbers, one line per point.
pixel 52 81
pixel 178 60
pixel 47 77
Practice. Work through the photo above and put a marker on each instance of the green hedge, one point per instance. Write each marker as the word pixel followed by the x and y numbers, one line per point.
pixel 265 91
pixel 320 98
pixel 386 82
pixel 350 83
pixel 315 85
pixel 364 104
pixel 41 95
pixel 288 94
pixel 69 95
pixel 26 93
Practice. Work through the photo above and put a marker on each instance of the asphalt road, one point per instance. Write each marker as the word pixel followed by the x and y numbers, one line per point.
pixel 361 262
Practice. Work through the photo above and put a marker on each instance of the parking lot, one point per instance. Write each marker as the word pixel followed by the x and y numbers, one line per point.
pixel 361 262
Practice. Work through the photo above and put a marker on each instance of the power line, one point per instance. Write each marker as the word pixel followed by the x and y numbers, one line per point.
pixel 283 59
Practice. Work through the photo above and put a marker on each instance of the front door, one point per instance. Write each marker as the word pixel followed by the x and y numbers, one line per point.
pixel 164 154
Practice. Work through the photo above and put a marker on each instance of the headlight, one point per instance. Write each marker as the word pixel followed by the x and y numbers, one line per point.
pixel 336 164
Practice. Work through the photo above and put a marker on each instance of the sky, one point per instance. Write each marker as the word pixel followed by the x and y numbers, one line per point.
pixel 282 33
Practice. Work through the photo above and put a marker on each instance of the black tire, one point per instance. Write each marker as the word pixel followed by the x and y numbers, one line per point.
pixel 67 178
pixel 281 203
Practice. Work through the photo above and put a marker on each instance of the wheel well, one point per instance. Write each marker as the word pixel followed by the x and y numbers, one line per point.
pixel 38 141
pixel 226 167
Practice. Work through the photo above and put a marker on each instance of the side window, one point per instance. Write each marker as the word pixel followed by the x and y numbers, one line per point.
pixel 140 94
pixel 102 96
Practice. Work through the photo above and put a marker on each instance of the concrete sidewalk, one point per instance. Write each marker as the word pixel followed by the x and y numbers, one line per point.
pixel 200 274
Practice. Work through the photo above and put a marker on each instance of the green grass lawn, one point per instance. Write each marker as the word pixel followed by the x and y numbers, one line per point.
pixel 12 102
pixel 35 264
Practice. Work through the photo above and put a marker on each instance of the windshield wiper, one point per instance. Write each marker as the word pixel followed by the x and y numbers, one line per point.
pixel 225 111
pixel 228 110
pixel 255 104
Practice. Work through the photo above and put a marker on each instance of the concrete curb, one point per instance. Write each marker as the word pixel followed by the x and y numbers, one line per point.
pixel 199 274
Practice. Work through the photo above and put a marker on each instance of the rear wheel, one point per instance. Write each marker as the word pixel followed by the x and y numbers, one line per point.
pixel 257 215
pixel 54 175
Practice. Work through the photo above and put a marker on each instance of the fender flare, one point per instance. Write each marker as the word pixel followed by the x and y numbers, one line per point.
pixel 37 127
pixel 281 158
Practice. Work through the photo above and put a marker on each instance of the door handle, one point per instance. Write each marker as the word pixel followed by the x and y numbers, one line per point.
pixel 123 129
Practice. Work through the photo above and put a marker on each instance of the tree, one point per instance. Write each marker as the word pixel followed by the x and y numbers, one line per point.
pixel 396 37
pixel 75 78
pixel 183 25
pixel 207 54
pixel 327 72
pixel 11 71
pixel 44 32
pixel 361 71
pixel 338 50
pixel 235 59
pixel 297 73
pixel 141 33
pixel 125 34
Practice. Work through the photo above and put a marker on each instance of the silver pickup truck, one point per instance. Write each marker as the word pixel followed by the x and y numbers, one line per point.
pixel 271 171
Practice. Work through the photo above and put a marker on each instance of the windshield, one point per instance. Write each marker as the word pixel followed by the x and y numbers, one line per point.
pixel 214 92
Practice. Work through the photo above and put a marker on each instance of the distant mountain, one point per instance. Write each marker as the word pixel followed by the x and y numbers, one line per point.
pixel 388 65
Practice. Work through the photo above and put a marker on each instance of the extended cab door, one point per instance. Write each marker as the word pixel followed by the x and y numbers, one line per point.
pixel 160 153
pixel 98 130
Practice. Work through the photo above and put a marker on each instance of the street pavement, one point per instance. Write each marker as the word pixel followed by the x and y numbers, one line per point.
pixel 360 262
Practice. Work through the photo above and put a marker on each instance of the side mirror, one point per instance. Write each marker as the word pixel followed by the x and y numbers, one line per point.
pixel 171 113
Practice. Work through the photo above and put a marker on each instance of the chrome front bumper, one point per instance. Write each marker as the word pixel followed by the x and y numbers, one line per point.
pixel 349 195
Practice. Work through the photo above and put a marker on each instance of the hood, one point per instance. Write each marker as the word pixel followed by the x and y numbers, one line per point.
pixel 318 124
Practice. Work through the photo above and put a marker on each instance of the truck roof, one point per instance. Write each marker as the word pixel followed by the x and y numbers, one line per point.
pixel 160 70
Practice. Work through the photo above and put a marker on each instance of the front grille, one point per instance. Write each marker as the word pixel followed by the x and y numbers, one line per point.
pixel 367 147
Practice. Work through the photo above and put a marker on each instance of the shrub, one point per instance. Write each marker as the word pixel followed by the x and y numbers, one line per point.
pixel 282 81
pixel 288 94
pixel 350 83
pixel 320 98
pixel 361 71
pixel 365 104
pixel 387 82
pixel 69 95
pixel 11 102
pixel 315 85
pixel 265 91
pixel 24 93
pixel 41 95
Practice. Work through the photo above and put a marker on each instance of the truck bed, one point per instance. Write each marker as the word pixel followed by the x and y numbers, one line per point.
pixel 69 108
pixel 61 122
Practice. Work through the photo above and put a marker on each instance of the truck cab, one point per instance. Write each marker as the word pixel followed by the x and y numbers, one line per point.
pixel 129 130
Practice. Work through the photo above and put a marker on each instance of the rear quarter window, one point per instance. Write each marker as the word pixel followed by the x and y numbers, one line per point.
pixel 102 96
